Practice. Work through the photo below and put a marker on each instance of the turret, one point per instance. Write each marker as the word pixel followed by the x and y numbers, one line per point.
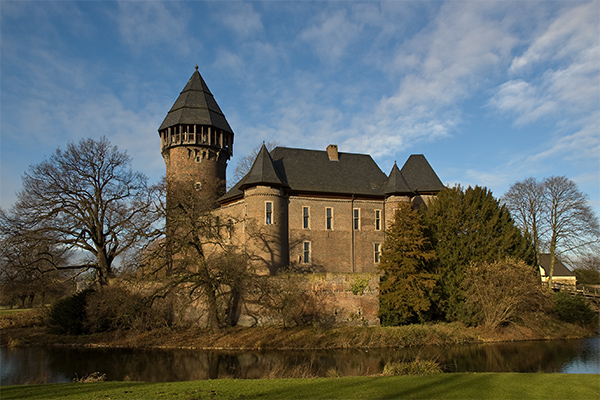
pixel 196 141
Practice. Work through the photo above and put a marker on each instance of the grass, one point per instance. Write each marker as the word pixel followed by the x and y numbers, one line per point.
pixel 9 311
pixel 440 386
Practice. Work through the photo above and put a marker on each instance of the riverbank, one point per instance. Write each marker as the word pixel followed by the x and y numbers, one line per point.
pixel 26 330
pixel 439 386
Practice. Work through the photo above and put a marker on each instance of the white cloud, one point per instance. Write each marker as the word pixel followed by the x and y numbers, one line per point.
pixel 332 34
pixel 144 25
pixel 525 99
pixel 440 67
pixel 570 34
pixel 557 80
pixel 242 19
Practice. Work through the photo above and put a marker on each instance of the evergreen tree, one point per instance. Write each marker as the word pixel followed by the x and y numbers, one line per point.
pixel 470 226
pixel 407 283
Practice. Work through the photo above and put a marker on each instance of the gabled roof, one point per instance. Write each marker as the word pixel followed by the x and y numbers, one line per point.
pixel 262 171
pixel 559 268
pixel 396 184
pixel 196 106
pixel 419 175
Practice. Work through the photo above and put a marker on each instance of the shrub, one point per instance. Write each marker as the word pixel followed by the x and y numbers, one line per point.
pixel 113 308
pixel 501 292
pixel 416 367
pixel 573 309
pixel 67 315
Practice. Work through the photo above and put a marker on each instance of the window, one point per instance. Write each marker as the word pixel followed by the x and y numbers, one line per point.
pixel 305 218
pixel 329 218
pixel 377 220
pixel 356 218
pixel 377 248
pixel 268 213
pixel 306 252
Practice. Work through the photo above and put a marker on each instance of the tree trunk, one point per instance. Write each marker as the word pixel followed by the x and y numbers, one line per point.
pixel 103 268
pixel 232 314
pixel 552 261
pixel 211 302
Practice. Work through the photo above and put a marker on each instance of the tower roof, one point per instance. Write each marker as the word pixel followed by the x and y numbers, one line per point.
pixel 262 171
pixel 396 184
pixel 419 175
pixel 196 106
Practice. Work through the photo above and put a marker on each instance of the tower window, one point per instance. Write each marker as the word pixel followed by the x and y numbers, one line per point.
pixel 377 220
pixel 305 218
pixel 268 213
pixel 306 252
pixel 329 218
pixel 356 219
pixel 198 186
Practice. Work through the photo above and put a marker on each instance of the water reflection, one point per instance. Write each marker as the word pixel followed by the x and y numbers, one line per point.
pixel 47 365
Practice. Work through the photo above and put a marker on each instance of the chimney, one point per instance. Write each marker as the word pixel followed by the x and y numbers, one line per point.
pixel 332 152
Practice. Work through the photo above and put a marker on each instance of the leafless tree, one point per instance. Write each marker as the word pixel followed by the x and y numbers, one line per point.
pixel 571 221
pixel 195 257
pixel 556 214
pixel 525 200
pixel 22 270
pixel 85 197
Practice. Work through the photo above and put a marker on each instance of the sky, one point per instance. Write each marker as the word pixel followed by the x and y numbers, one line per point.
pixel 490 92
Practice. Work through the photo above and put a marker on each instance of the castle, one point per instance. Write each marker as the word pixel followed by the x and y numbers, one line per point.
pixel 323 211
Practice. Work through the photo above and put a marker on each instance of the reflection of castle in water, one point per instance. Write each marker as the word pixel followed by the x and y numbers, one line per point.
pixel 53 365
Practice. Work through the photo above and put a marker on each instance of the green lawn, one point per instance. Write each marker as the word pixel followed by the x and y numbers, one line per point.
pixel 8 311
pixel 441 386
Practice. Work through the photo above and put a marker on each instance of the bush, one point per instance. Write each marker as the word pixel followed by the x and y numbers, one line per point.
pixel 67 316
pixel 573 309
pixel 113 308
pixel 501 292
pixel 417 367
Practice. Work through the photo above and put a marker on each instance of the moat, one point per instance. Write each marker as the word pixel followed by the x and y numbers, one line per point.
pixel 55 365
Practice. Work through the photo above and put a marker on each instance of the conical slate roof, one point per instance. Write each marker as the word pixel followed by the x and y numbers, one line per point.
pixel 396 184
pixel 262 171
pixel 196 106
pixel 419 175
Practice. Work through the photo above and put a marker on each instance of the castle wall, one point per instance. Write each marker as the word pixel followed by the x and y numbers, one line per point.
pixel 319 298
pixel 327 230
pixel 337 247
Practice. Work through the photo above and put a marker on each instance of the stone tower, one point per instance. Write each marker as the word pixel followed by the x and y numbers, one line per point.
pixel 196 141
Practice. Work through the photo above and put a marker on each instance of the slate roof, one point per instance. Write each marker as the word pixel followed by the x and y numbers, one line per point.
pixel 196 106
pixel 419 175
pixel 559 268
pixel 304 170
pixel 396 184
pixel 262 171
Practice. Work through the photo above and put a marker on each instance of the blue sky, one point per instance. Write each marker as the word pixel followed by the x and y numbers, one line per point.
pixel 490 92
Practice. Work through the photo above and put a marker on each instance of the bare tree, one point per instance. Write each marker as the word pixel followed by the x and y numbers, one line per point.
pixel 22 269
pixel 195 257
pixel 556 214
pixel 525 200
pixel 571 221
pixel 85 197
